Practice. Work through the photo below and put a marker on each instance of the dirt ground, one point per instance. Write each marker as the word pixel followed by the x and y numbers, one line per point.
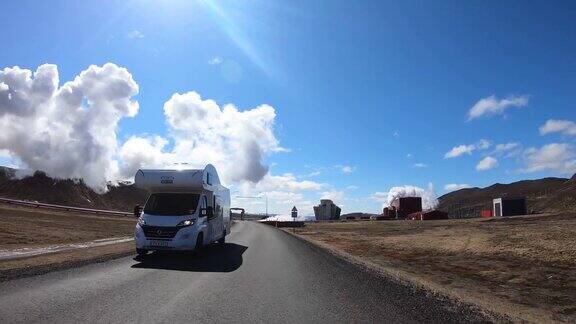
pixel 524 267
pixel 36 227
pixel 16 268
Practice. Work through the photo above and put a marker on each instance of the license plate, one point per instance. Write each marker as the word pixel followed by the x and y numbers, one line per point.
pixel 158 243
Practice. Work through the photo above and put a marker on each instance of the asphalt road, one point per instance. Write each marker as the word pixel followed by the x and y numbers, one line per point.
pixel 260 275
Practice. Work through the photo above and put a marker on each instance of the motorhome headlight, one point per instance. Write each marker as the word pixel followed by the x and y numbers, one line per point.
pixel 141 221
pixel 188 222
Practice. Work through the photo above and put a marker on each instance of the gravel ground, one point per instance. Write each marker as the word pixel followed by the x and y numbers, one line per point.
pixel 524 267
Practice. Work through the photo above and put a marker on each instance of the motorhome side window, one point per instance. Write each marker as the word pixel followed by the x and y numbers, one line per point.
pixel 172 204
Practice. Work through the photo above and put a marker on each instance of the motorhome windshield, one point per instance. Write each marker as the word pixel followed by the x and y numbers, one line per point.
pixel 171 204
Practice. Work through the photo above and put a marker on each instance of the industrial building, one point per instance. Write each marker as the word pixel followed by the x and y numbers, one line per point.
pixel 389 213
pixel 428 215
pixel 405 206
pixel 327 210
pixel 509 207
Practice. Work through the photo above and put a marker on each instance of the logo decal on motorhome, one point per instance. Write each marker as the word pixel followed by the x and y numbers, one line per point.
pixel 165 179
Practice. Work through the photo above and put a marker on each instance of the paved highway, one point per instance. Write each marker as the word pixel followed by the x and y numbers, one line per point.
pixel 260 275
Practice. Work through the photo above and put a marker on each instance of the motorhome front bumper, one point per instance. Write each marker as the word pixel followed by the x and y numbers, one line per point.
pixel 165 237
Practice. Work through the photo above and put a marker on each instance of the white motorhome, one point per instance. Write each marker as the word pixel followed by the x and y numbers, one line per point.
pixel 186 209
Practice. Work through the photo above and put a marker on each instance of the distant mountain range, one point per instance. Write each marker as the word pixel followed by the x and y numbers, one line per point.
pixel 543 195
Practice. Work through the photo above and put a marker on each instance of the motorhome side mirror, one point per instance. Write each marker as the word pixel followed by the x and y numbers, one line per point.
pixel 137 210
pixel 208 211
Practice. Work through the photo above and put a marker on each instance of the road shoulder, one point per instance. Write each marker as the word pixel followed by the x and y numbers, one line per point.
pixel 471 302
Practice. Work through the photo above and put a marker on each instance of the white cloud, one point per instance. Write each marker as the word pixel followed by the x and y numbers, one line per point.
pixel 483 144
pixel 352 187
pixel 455 186
pixel 492 106
pixel 141 151
pixel 314 174
pixel 507 149
pixel 566 127
pixel 316 171
pixel 215 60
pixel 68 131
pixel 408 156
pixel 500 148
pixel 558 157
pixel 346 168
pixel 285 197
pixel 286 181
pixel 5 154
pixel 336 196
pixel 487 163
pixel 235 141
pixel 420 165
pixel 396 134
pixel 134 34
pixel 459 150
pixel 380 196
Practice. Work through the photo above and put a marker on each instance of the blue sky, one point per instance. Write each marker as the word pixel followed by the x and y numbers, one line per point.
pixel 368 95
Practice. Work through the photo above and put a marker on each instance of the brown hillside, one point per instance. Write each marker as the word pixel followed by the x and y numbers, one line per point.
pixel 543 195
pixel 42 188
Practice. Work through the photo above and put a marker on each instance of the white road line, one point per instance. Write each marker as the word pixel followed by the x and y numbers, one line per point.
pixel 27 252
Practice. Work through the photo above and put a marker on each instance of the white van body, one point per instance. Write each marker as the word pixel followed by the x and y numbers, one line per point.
pixel 175 214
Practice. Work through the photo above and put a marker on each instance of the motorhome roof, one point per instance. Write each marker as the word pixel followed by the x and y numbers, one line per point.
pixel 170 180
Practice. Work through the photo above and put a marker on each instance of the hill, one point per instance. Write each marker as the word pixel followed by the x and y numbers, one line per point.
pixel 542 195
pixel 42 188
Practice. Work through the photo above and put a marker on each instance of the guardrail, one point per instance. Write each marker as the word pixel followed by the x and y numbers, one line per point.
pixel 61 207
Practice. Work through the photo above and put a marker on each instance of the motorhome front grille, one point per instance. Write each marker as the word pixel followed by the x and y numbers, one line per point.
pixel 160 231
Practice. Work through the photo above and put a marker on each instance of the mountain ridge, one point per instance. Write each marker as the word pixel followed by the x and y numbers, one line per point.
pixel 551 194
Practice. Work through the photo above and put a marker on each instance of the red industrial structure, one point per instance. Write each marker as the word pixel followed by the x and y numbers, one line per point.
pixel 428 215
pixel 389 213
pixel 406 206
pixel 410 208
pixel 486 213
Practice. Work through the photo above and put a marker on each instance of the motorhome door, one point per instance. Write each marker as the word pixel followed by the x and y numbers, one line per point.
pixel 205 204
pixel 218 222
pixel 211 221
